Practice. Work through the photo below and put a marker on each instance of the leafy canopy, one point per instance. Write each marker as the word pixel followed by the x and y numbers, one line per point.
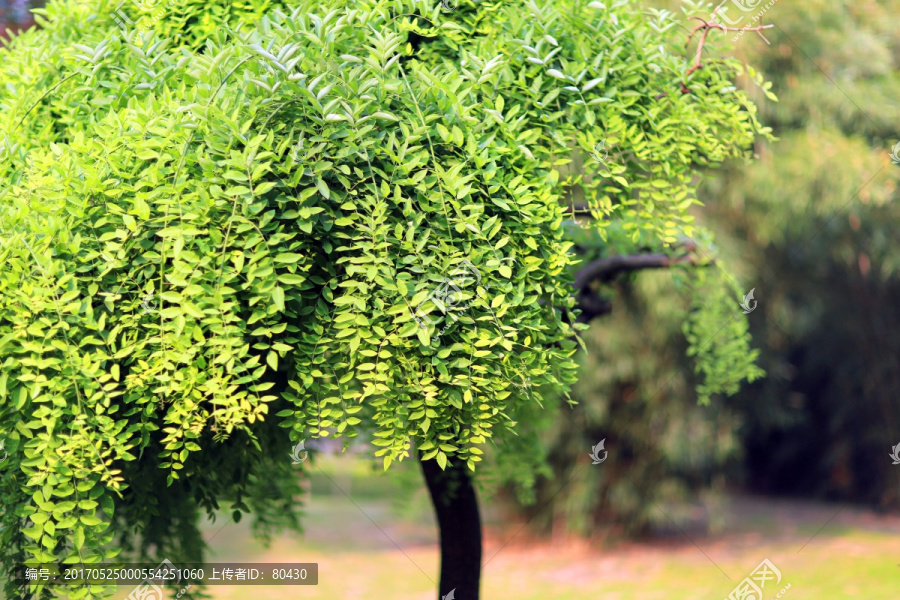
pixel 228 226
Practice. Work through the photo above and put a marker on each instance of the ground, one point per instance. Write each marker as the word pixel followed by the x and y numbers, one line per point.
pixel 368 548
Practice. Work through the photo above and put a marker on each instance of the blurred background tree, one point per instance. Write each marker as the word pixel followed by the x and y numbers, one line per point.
pixel 637 392
pixel 815 222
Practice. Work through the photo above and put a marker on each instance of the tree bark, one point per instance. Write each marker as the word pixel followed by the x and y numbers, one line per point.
pixel 456 507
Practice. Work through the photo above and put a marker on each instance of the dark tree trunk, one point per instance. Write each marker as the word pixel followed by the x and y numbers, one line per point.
pixel 456 506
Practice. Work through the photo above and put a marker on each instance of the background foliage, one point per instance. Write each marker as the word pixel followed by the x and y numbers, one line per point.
pixel 15 14
pixel 816 220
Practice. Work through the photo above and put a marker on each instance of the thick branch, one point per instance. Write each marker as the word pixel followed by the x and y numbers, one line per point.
pixel 591 304
pixel 605 269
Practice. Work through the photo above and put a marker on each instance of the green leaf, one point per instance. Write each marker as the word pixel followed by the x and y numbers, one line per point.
pixel 264 187
pixel 288 258
pixel 323 188
pixel 278 298
pixel 291 279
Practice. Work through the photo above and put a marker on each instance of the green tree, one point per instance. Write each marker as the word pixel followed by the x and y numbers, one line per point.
pixel 229 233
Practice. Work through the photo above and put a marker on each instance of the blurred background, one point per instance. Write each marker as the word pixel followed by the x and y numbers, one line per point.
pixel 16 14
pixel 794 468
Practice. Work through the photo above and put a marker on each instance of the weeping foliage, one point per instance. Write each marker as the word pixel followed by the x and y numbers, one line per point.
pixel 222 235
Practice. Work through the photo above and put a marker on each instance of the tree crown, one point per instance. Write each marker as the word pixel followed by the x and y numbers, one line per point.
pixel 334 219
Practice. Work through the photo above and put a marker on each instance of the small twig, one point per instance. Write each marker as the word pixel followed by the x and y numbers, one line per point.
pixel 44 95
pixel 705 26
